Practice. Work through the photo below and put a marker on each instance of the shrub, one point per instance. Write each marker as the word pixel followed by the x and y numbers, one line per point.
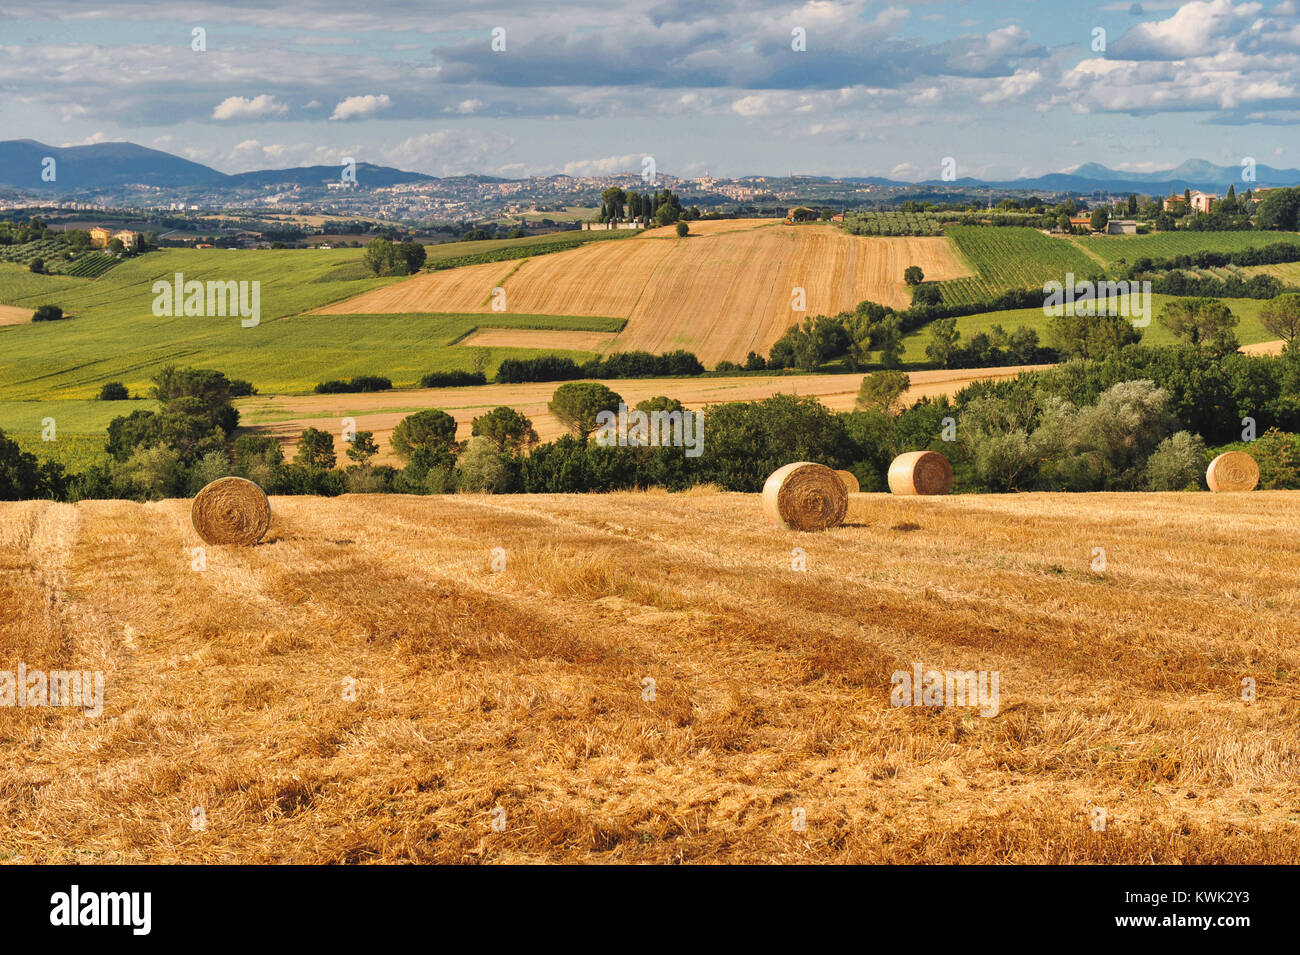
pixel 114 391
pixel 683 230
pixel 1177 464
pixel 48 313
pixel 37 266
pixel 452 379
pixel 1278 455
pixel 484 467
pixel 357 384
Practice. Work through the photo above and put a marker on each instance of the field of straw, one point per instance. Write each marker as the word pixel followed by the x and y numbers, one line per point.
pixel 285 416
pixel 720 294
pixel 520 696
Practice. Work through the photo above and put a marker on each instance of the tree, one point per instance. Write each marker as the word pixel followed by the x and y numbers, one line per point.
pixel 1202 321
pixel 577 404
pixel 682 229
pixel 484 467
pixel 889 339
pixel 881 391
pixel 362 447
pixel 37 266
pixel 47 313
pixel 1279 209
pixel 1281 316
pixel 315 450
pixel 913 275
pixel 1098 220
pixel 1063 222
pixel 412 255
pixel 505 427
pixel 431 430
pixel 378 256
pixel 944 339
pixel 113 391
pixel 20 473
pixel 116 246
pixel 615 200
pixel 1133 204
pixel 1089 336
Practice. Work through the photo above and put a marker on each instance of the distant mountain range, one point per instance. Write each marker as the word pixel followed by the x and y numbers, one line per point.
pixel 115 165
pixel 112 165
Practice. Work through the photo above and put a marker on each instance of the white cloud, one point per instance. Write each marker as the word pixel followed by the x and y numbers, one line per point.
pixel 240 107
pixel 608 166
pixel 359 107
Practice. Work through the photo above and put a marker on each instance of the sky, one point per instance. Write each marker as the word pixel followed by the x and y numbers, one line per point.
pixel 1005 88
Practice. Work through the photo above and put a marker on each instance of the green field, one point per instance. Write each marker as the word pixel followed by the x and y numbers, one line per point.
pixel 1166 245
pixel 76 452
pixel 1249 330
pixel 1009 257
pixel 18 285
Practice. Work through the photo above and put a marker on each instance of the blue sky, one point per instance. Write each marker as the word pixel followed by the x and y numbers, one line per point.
pixel 1005 87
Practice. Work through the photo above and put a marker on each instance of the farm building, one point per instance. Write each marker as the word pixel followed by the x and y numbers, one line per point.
pixel 1122 227
pixel 100 237
pixel 1203 201
pixel 1173 202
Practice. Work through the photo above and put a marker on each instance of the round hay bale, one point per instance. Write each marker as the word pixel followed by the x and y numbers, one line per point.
pixel 920 472
pixel 1232 471
pixel 849 480
pixel 231 511
pixel 805 497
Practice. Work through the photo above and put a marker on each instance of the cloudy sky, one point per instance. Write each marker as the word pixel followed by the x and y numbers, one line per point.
pixel 1005 87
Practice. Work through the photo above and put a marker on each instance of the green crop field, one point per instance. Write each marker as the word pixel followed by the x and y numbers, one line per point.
pixel 19 286
pixel 1009 257
pixel 1249 330
pixel 1166 245
pixel 76 452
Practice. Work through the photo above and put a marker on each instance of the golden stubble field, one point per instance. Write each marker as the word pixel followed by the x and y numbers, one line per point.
pixel 721 294
pixel 523 690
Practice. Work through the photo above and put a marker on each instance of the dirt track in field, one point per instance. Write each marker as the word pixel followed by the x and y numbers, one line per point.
pixel 285 416
pixel 522 695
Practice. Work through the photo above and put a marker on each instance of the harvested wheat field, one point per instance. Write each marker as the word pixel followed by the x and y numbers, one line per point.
pixel 721 295
pixel 14 315
pixel 709 227
pixel 285 416
pixel 526 690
